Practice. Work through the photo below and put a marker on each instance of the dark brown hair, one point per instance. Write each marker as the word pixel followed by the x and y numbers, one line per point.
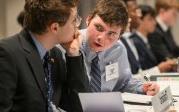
pixel 20 18
pixel 41 13
pixel 112 12
pixel 147 10
pixel 125 1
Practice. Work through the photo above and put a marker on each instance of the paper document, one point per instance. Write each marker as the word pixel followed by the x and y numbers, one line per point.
pixel 174 85
pixel 138 108
pixel 101 102
pixel 136 98
pixel 168 79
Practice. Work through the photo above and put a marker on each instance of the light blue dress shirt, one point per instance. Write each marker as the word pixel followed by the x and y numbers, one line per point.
pixel 116 54
pixel 40 48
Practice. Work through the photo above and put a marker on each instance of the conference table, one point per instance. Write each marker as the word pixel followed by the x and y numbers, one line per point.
pixel 143 108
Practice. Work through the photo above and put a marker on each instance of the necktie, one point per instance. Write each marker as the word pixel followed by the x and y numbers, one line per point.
pixel 47 70
pixel 95 74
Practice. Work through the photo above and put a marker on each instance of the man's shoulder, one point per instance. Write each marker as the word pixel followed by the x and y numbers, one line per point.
pixel 118 48
pixel 119 45
pixel 10 42
pixel 157 33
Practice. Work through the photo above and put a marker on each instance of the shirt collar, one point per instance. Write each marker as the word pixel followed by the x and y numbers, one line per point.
pixel 126 34
pixel 85 46
pixel 41 49
pixel 142 37
pixel 162 24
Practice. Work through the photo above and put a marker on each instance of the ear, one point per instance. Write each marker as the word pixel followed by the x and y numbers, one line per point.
pixel 54 27
pixel 88 20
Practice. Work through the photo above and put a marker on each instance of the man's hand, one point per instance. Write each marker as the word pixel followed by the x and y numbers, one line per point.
pixel 166 65
pixel 151 88
pixel 73 48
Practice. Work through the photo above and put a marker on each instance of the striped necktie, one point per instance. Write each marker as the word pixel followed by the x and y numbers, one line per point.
pixel 95 74
pixel 47 70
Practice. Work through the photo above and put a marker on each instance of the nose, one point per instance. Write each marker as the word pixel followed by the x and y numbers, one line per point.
pixel 101 37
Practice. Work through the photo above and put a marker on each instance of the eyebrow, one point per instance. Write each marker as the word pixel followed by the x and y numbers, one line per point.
pixel 99 24
pixel 113 32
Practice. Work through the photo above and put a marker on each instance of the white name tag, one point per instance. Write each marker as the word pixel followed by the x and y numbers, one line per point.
pixel 162 101
pixel 56 109
pixel 112 71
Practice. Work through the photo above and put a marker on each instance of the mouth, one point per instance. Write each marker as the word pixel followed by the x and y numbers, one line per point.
pixel 98 44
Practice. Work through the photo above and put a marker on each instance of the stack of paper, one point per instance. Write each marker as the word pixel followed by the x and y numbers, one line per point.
pixel 136 99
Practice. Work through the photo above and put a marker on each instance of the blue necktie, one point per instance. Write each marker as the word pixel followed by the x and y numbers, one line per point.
pixel 95 74
pixel 47 70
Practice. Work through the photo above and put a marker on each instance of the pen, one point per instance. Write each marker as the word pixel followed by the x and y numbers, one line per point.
pixel 146 78
pixel 175 100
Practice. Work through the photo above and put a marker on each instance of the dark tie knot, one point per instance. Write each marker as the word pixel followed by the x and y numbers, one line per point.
pixel 46 57
pixel 95 59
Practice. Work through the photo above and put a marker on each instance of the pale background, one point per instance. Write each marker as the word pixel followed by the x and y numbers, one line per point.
pixel 9 9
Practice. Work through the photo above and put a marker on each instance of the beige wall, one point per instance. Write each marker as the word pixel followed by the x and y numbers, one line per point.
pixel 2 18
pixel 9 9
pixel 176 31
pixel 13 8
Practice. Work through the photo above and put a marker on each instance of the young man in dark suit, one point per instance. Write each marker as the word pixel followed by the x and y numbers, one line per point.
pixel 34 77
pixel 147 24
pixel 161 40
pixel 135 53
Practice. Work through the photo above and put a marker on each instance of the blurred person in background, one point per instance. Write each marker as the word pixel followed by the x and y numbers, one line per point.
pixel 134 55
pixel 161 40
pixel 147 59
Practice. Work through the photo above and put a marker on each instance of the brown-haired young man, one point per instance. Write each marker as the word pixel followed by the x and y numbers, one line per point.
pixel 161 40
pixel 34 77
pixel 105 56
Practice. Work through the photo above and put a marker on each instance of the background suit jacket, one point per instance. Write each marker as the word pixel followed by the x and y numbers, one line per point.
pixel 22 78
pixel 146 57
pixel 163 44
pixel 134 64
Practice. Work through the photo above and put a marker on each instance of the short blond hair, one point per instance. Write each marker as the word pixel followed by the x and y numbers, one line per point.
pixel 166 4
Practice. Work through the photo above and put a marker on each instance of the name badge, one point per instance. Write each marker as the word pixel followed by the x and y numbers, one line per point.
pixel 112 71
pixel 162 101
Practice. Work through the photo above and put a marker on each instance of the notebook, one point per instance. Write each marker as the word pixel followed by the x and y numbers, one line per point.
pixel 168 79
pixel 101 102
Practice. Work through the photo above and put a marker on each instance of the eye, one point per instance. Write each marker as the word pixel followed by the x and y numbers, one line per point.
pixel 99 28
pixel 113 34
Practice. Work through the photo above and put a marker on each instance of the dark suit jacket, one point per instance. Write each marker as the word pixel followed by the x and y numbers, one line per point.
pixel 22 78
pixel 163 44
pixel 134 64
pixel 146 57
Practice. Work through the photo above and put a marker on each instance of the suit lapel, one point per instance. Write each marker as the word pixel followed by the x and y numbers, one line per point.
pixel 167 37
pixel 33 58
pixel 141 45
pixel 38 72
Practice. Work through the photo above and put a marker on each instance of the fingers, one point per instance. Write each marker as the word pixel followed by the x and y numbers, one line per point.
pixel 150 93
pixel 78 37
pixel 146 86
pixel 151 88
pixel 73 47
